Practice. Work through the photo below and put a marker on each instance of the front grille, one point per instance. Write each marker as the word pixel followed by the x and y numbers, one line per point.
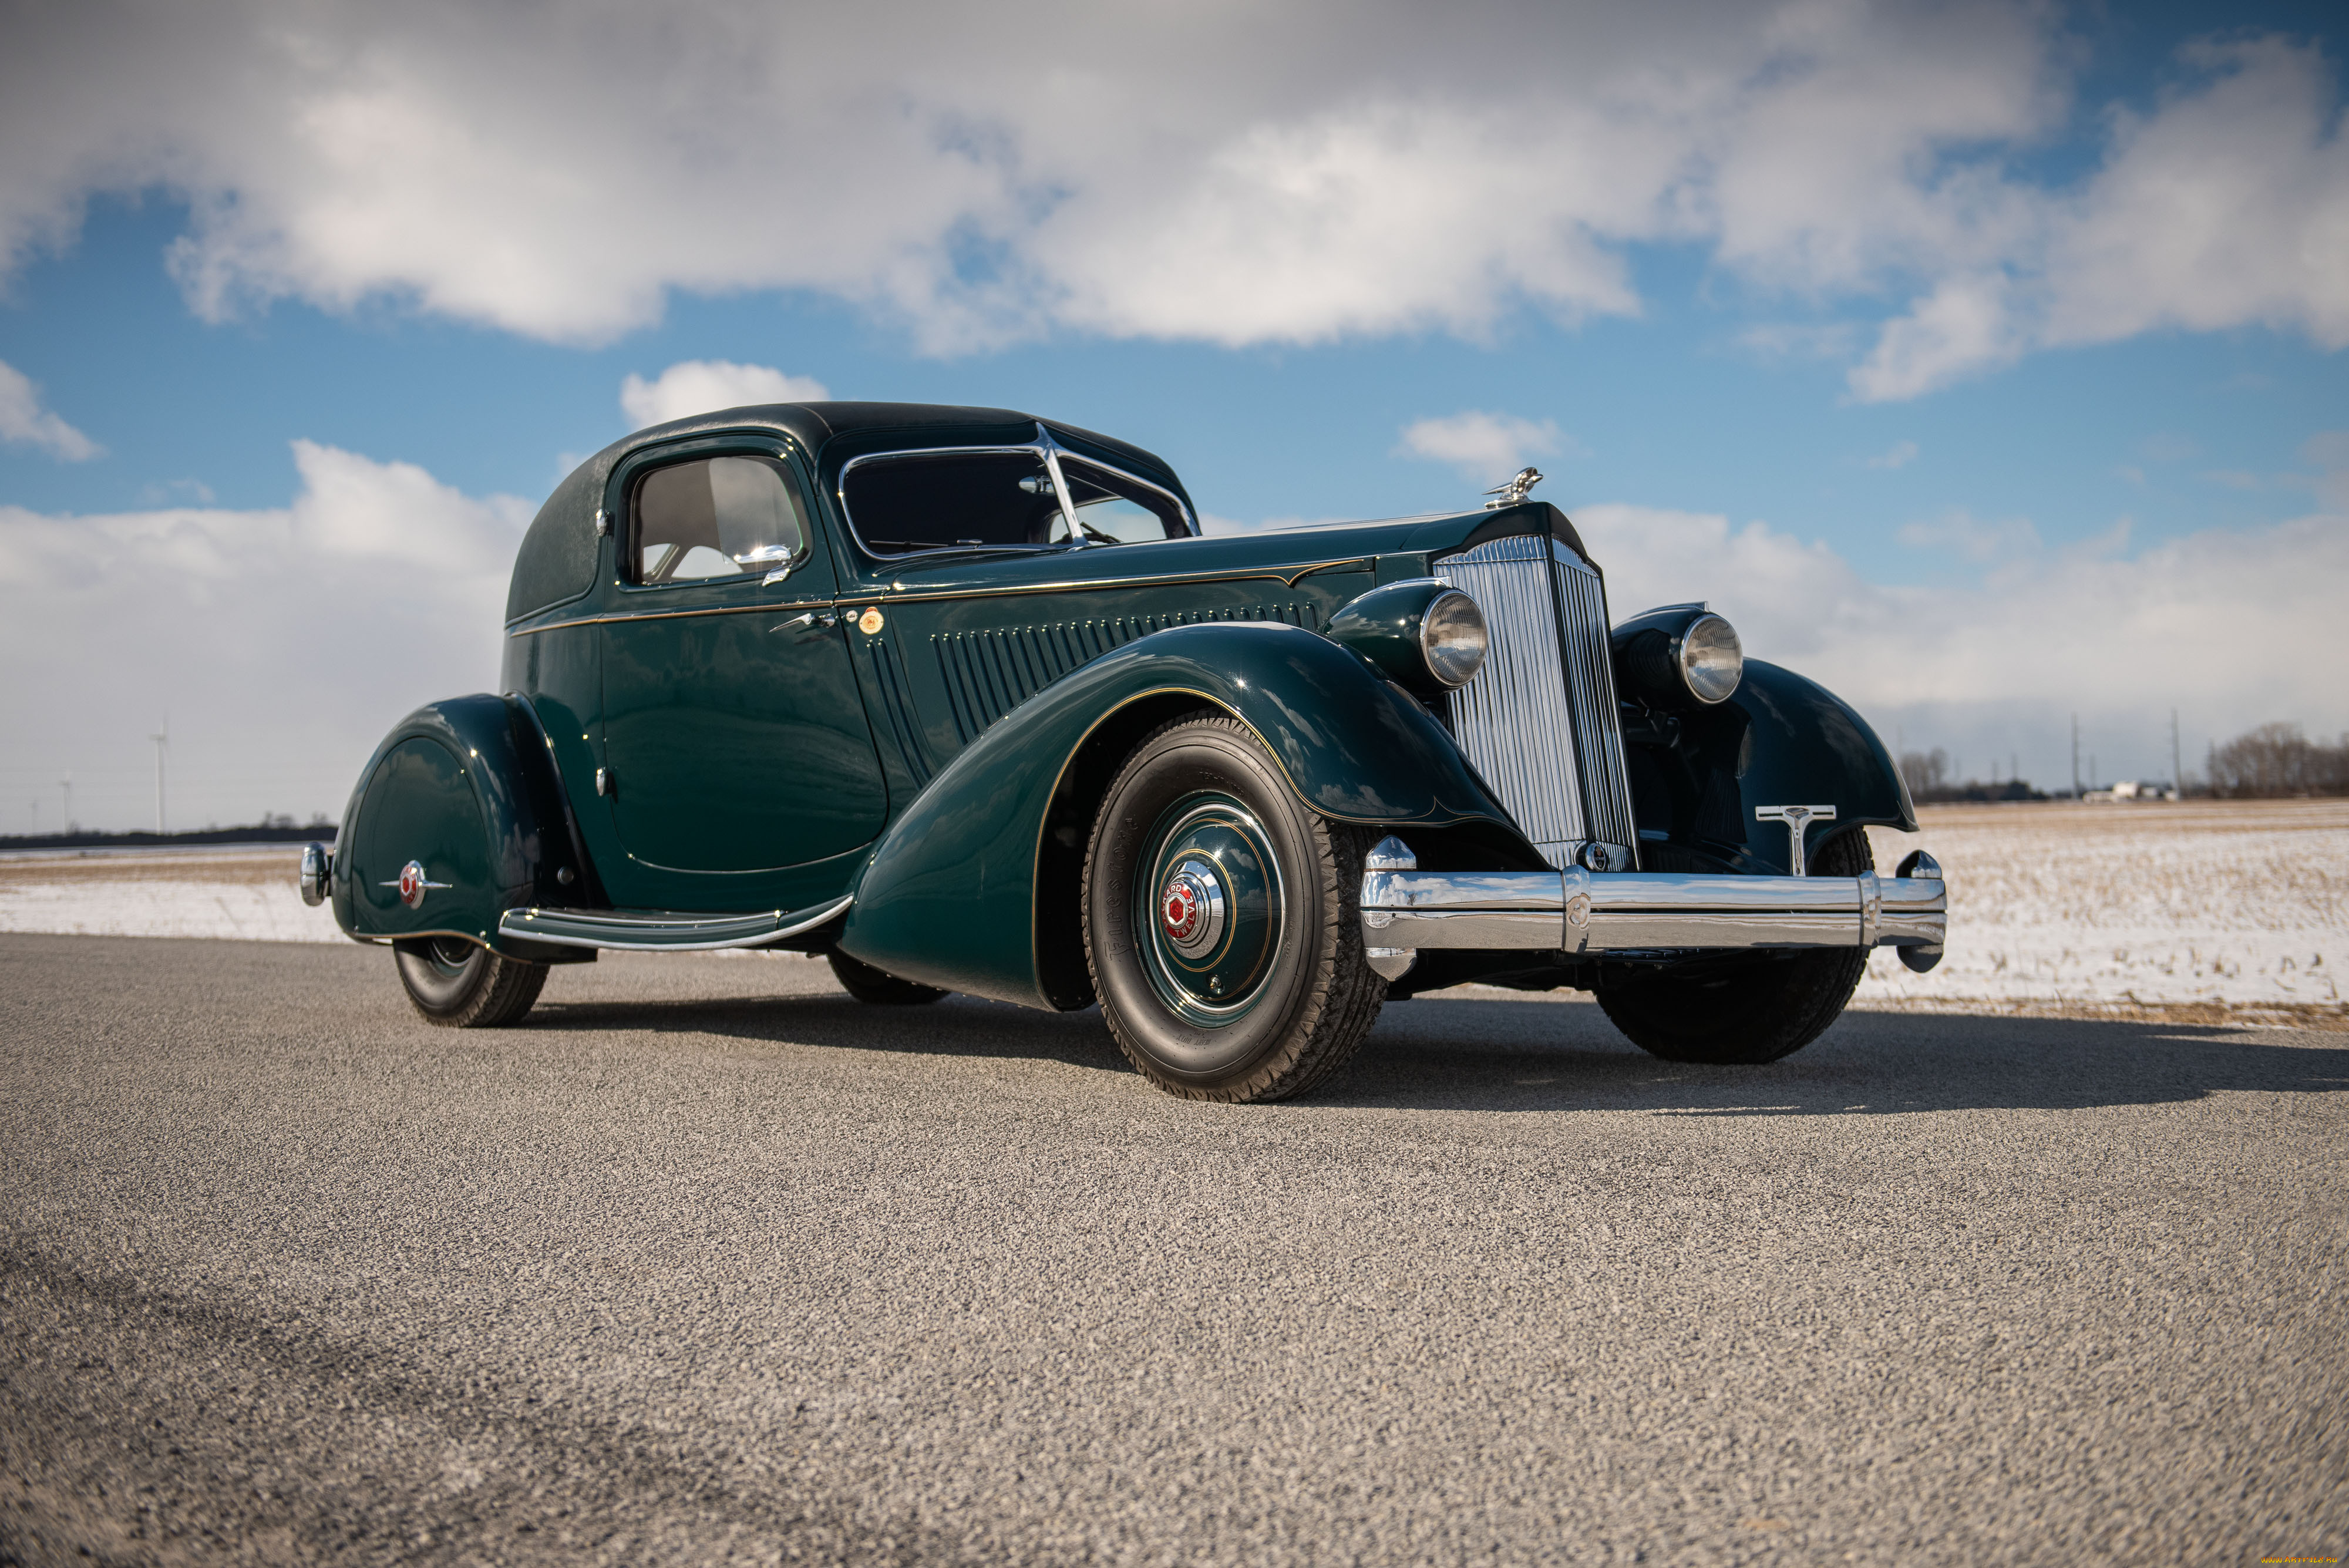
pixel 1538 722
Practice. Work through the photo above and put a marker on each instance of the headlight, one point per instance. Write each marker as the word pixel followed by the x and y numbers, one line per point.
pixel 1712 662
pixel 1452 637
pixel 1423 633
pixel 1678 657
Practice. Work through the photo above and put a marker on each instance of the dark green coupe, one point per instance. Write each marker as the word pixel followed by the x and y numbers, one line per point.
pixel 962 700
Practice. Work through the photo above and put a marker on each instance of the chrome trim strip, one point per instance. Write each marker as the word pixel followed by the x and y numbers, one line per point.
pixel 1287 576
pixel 612 928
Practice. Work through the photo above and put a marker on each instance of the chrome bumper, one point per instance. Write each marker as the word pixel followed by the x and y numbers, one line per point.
pixel 1581 913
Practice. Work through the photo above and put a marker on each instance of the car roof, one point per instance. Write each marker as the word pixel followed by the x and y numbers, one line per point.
pixel 556 559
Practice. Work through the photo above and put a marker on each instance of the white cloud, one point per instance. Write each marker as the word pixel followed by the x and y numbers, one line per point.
pixel 2329 451
pixel 1901 455
pixel 285 641
pixel 24 423
pixel 2120 637
pixel 1970 538
pixel 1365 169
pixel 2227 206
pixel 1485 448
pixel 1967 324
pixel 703 386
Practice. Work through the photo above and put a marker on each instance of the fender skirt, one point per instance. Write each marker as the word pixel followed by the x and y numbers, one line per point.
pixel 466 789
pixel 969 888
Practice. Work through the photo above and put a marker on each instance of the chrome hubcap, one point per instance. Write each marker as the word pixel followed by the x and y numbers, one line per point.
pixel 1192 909
pixel 1208 907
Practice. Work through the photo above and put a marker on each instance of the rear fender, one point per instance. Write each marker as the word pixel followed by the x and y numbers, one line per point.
pixel 975 887
pixel 466 790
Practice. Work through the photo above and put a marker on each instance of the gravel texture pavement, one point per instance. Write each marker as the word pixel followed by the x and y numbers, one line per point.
pixel 706 1262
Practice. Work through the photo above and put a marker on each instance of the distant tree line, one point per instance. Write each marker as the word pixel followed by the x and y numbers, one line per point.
pixel 2277 760
pixel 2271 761
pixel 268 830
pixel 1929 779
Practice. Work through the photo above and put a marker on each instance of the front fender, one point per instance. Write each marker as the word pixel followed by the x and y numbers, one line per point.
pixel 957 893
pixel 1781 739
pixel 466 789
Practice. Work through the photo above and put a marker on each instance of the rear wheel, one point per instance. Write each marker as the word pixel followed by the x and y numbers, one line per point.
pixel 879 987
pixel 459 984
pixel 1222 921
pixel 1750 1008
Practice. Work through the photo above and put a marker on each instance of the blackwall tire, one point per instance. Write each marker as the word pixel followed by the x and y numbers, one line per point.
pixel 878 987
pixel 1222 921
pixel 458 984
pixel 1750 1009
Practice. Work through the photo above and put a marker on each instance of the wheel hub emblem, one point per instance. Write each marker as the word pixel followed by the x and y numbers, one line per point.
pixel 413 884
pixel 1191 908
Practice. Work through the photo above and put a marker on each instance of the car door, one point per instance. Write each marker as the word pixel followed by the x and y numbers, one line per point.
pixel 734 739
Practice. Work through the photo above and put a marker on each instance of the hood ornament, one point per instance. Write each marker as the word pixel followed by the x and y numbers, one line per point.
pixel 1514 491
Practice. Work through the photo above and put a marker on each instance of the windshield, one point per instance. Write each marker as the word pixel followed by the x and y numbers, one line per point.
pixel 906 502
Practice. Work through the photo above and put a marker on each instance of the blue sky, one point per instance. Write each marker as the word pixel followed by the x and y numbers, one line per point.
pixel 1949 398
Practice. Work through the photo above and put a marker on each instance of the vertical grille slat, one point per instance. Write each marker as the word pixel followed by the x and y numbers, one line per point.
pixel 1538 722
pixel 1597 723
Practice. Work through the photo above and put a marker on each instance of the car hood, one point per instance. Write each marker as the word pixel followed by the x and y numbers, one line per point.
pixel 1284 551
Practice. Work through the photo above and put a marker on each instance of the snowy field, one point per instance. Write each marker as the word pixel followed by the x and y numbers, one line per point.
pixel 2240 903
pixel 2241 908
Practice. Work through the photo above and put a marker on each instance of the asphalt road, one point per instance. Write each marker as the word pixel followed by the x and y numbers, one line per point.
pixel 708 1262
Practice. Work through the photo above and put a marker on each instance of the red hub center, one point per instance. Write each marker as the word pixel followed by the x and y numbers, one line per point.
pixel 1181 912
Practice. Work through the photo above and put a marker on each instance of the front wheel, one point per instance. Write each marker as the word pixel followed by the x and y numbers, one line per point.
pixel 1751 1008
pixel 459 984
pixel 1222 921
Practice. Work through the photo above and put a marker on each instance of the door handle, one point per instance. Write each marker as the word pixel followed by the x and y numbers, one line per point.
pixel 823 620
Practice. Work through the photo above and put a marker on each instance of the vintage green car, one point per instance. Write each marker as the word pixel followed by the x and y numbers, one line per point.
pixel 962 700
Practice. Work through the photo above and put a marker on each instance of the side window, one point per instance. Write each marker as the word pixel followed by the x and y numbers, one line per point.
pixel 936 501
pixel 716 517
pixel 1111 507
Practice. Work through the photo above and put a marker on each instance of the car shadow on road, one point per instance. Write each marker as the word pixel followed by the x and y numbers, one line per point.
pixel 1518 1056
pixel 959 1026
pixel 1549 1057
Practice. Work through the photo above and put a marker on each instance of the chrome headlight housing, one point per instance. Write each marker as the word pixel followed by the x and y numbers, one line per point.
pixel 1452 637
pixel 1681 656
pixel 1711 660
pixel 1423 633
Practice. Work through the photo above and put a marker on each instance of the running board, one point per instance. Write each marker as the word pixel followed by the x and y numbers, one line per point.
pixel 663 930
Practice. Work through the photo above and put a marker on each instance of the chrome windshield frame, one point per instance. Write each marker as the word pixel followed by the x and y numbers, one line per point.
pixel 1043 448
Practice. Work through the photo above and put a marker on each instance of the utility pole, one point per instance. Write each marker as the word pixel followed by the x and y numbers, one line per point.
pixel 2075 756
pixel 2177 768
pixel 161 740
pixel 66 783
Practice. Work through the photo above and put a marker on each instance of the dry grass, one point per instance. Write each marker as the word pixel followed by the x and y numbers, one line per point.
pixel 2240 904
pixel 240 866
